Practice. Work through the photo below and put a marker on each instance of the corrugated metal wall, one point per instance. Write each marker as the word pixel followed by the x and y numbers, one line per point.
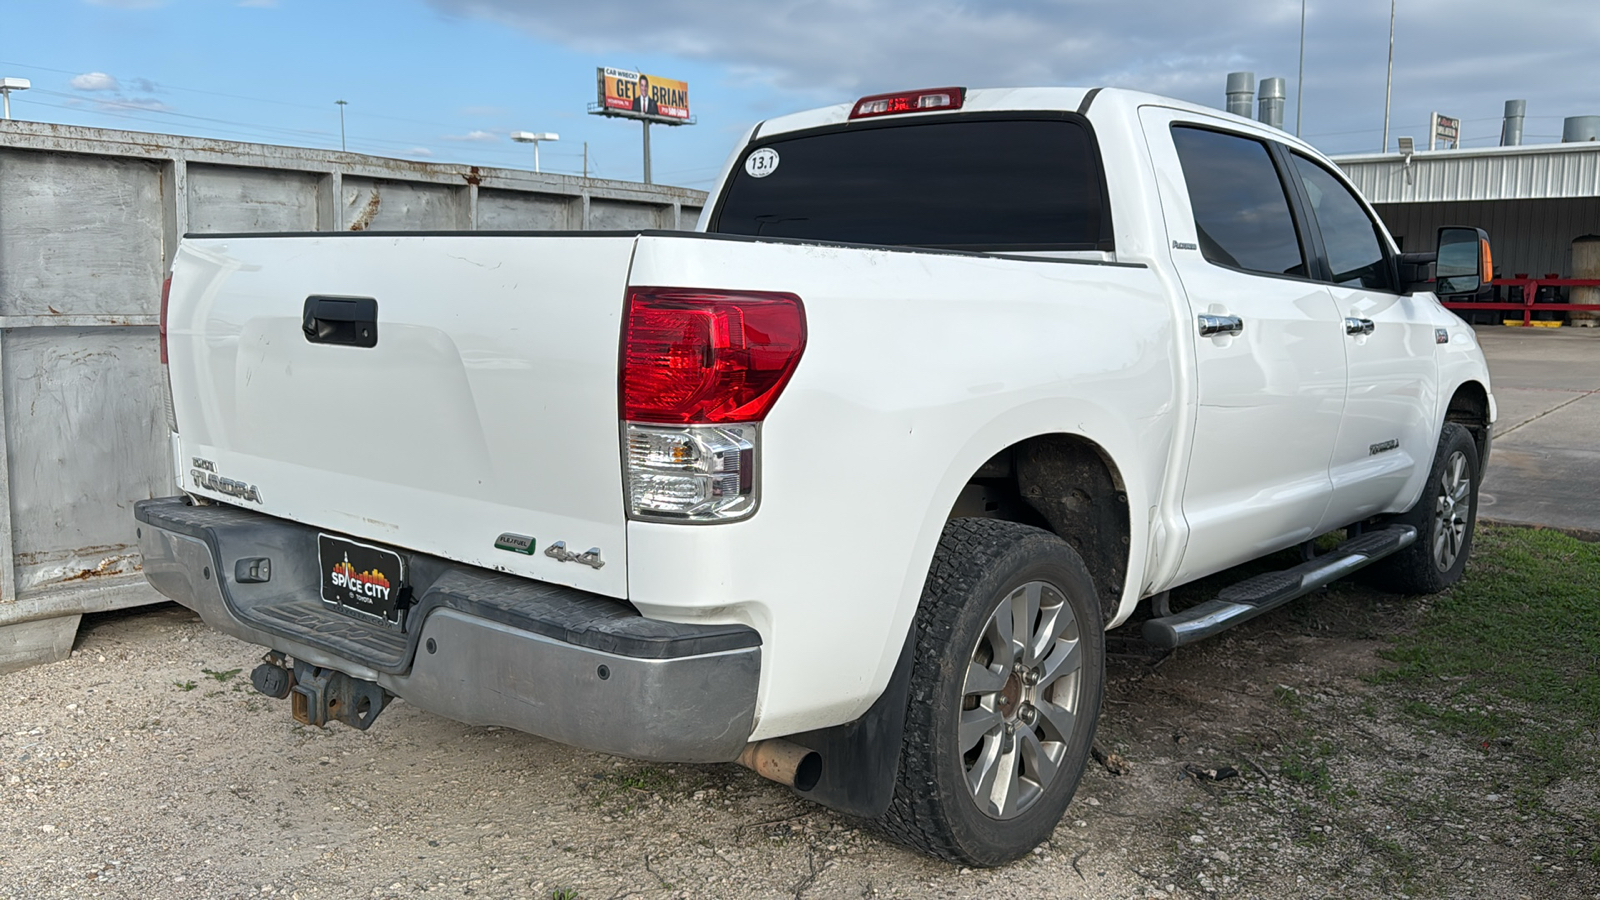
pixel 1536 171
pixel 89 220
pixel 1531 236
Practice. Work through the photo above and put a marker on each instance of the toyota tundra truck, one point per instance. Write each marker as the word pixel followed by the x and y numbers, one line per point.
pixel 847 484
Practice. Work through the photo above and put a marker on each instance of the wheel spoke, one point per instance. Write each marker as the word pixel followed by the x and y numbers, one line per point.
pixel 1043 761
pixel 1007 782
pixel 982 680
pixel 976 724
pixel 1065 658
pixel 1055 622
pixel 1056 720
pixel 1004 643
pixel 1024 610
pixel 981 777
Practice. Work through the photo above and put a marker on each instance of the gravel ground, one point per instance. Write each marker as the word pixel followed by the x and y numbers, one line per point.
pixel 145 766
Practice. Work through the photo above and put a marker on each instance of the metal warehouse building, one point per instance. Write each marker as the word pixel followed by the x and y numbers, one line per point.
pixel 1532 199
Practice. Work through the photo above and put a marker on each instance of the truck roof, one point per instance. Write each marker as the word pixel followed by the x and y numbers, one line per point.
pixel 1023 98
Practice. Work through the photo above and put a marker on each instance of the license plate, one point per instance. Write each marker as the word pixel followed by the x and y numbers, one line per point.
pixel 361 578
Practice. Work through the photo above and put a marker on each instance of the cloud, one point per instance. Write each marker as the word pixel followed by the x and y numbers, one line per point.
pixel 477 136
pixel 419 151
pixel 94 81
pixel 807 52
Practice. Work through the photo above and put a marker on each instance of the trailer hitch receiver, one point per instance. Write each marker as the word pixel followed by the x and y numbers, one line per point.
pixel 319 695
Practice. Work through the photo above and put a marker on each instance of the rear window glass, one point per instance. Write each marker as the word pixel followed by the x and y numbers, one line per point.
pixel 974 185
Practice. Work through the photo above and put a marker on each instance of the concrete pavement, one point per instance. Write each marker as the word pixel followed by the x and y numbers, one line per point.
pixel 1544 468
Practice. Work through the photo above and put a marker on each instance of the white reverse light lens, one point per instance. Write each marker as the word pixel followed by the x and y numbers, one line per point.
pixel 696 473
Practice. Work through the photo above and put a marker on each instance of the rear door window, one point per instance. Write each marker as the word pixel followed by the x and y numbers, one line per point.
pixel 1241 210
pixel 963 183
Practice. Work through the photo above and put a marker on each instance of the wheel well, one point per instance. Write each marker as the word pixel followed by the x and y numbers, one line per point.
pixel 1066 484
pixel 1470 407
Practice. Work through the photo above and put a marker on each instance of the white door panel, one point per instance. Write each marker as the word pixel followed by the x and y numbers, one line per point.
pixel 1270 398
pixel 1388 428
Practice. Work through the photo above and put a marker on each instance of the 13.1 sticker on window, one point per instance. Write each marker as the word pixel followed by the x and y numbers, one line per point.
pixel 761 163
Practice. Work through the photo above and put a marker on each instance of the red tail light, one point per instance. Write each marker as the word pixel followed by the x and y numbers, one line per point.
pixel 166 290
pixel 691 356
pixel 926 100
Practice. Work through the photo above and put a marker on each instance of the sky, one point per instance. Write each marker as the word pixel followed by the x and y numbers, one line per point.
pixel 448 80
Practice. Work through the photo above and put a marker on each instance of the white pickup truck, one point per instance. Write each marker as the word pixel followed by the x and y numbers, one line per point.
pixel 848 484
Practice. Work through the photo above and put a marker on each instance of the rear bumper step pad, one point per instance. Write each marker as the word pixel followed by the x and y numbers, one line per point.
pixel 1250 598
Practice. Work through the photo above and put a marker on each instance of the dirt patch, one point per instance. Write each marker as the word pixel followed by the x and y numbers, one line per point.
pixel 145 766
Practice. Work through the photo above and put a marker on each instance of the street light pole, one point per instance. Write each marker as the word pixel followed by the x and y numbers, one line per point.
pixel 1300 82
pixel 342 105
pixel 7 85
pixel 1388 85
pixel 529 137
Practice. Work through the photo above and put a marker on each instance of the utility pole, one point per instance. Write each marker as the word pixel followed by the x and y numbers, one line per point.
pixel 342 105
pixel 1300 82
pixel 586 159
pixel 1388 85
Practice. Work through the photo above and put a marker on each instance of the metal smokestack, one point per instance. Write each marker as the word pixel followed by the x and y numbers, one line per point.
pixel 1241 93
pixel 1577 129
pixel 1273 93
pixel 1511 131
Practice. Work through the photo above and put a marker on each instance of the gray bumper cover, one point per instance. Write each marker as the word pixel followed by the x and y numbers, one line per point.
pixel 480 647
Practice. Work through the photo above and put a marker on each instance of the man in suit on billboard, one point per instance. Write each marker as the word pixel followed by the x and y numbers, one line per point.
pixel 642 101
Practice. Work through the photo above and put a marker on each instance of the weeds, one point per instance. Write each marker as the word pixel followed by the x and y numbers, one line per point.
pixel 1510 656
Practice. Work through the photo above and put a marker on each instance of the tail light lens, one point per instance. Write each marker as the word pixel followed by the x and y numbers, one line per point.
pixel 702 356
pixel 700 371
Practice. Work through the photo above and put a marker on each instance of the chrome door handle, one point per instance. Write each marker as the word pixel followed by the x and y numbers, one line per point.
pixel 1358 326
pixel 1216 326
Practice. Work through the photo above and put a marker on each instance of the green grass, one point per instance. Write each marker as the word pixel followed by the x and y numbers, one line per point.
pixel 1510 656
pixel 222 676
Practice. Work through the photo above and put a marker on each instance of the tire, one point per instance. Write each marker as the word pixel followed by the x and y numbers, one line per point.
pixel 1024 777
pixel 1445 516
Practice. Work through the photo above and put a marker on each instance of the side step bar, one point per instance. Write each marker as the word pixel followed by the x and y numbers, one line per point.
pixel 1254 596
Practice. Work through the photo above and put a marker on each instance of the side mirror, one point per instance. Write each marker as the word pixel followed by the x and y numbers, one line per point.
pixel 1464 263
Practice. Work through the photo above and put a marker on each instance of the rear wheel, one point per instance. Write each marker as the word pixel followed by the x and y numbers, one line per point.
pixel 1444 516
pixel 1005 690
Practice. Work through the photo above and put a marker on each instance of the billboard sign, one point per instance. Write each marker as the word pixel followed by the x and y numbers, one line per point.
pixel 1446 132
pixel 625 93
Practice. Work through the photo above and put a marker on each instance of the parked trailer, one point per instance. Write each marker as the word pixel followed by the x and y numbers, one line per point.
pixel 89 220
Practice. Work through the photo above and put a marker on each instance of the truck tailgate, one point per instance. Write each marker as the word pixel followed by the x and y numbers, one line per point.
pixel 486 404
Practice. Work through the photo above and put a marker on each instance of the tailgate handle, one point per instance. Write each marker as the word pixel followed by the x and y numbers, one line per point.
pixel 351 321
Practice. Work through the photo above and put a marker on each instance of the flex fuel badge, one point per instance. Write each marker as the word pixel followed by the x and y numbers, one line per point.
pixel 516 543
